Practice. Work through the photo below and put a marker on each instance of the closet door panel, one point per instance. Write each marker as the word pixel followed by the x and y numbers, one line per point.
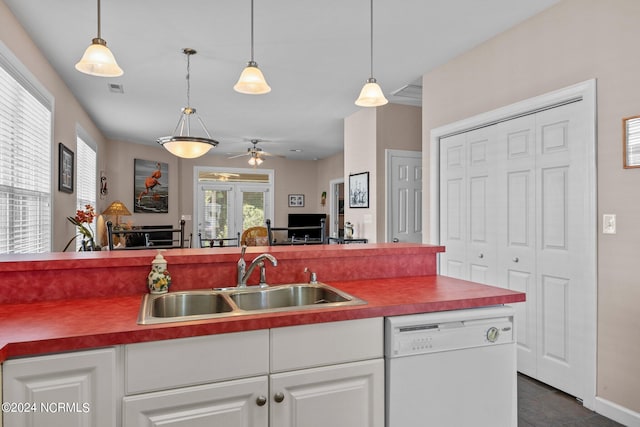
pixel 481 225
pixel 453 206
pixel 516 201
pixel 561 216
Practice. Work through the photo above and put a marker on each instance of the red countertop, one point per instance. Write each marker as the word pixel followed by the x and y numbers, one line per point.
pixel 73 324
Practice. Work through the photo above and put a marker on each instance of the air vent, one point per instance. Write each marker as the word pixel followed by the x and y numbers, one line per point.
pixel 409 91
pixel 116 88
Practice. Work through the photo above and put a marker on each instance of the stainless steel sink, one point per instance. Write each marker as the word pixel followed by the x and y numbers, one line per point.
pixel 287 296
pixel 209 304
pixel 189 304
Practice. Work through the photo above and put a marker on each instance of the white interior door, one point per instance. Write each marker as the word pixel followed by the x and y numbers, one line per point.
pixel 468 212
pixel 481 190
pixel 561 218
pixel 453 206
pixel 517 215
pixel 404 207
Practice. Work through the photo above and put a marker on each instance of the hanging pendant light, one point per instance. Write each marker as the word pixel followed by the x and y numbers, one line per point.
pixel 371 94
pixel 98 59
pixel 183 144
pixel 252 80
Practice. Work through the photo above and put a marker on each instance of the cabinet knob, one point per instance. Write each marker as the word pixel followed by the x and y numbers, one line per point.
pixel 278 397
pixel 261 400
pixel 516 259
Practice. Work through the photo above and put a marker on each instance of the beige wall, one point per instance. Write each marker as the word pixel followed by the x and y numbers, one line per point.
pixel 572 42
pixel 399 127
pixel 360 156
pixel 367 134
pixel 67 115
pixel 308 177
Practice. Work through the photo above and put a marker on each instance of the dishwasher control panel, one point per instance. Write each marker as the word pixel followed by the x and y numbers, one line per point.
pixel 434 332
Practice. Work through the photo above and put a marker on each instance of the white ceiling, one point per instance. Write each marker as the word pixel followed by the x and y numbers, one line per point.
pixel 314 54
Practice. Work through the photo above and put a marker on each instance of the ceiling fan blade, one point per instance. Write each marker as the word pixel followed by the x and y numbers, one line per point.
pixel 239 155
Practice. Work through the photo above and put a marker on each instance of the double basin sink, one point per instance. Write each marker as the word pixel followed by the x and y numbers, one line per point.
pixel 226 302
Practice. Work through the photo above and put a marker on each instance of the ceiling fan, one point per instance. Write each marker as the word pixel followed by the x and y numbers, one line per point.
pixel 256 154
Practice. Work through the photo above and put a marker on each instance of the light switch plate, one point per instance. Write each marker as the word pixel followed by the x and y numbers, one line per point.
pixel 609 224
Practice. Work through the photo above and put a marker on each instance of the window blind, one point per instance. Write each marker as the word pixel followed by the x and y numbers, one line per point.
pixel 86 182
pixel 25 169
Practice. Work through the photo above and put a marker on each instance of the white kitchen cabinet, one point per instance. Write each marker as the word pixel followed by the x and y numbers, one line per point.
pixel 345 395
pixel 326 374
pixel 239 403
pixel 67 389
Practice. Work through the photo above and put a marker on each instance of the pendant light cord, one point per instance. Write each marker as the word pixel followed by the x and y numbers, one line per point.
pixel 251 30
pixel 99 36
pixel 371 35
pixel 188 79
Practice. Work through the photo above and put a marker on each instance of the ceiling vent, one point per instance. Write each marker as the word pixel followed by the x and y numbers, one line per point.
pixel 412 91
pixel 115 87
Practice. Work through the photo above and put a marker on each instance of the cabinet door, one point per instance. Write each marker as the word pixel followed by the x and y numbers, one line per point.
pixel 347 395
pixel 70 389
pixel 239 403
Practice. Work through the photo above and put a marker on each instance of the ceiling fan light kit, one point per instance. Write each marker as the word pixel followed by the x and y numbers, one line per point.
pixel 252 81
pixel 182 143
pixel 98 59
pixel 371 94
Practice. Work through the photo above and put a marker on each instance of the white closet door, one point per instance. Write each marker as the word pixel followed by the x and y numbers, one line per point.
pixel 516 204
pixel 514 211
pixel 481 196
pixel 562 216
pixel 453 206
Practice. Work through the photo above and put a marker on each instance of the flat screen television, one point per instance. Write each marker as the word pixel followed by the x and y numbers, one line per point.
pixel 160 238
pixel 306 220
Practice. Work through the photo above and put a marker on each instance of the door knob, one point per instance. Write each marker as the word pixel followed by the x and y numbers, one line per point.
pixel 278 397
pixel 516 259
pixel 261 400
pixel 480 255
pixel 395 240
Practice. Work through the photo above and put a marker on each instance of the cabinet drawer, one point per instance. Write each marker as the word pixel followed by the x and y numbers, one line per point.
pixel 182 362
pixel 321 344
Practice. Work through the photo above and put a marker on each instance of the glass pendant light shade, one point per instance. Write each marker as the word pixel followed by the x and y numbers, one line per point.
pixel 185 147
pixel 371 95
pixel 99 61
pixel 182 143
pixel 252 81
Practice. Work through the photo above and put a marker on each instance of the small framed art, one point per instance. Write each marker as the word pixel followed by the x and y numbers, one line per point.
pixel 359 190
pixel 296 200
pixel 65 169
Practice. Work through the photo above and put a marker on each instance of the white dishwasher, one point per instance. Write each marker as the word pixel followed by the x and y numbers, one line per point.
pixel 451 368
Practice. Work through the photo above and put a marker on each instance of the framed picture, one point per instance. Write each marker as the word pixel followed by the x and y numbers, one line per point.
pixel 359 190
pixel 296 200
pixel 65 169
pixel 150 186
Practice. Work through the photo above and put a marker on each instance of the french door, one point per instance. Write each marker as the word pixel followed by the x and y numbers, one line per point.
pixel 225 208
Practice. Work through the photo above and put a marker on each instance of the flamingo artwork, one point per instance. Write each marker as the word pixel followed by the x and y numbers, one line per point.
pixel 152 194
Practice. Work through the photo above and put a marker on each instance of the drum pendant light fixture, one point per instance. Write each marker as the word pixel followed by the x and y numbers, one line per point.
pixel 98 59
pixel 182 143
pixel 371 94
pixel 252 81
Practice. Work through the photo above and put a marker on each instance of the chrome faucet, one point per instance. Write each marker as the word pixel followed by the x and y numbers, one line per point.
pixel 244 272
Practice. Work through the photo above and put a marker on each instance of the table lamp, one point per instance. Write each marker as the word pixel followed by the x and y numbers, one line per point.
pixel 116 208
